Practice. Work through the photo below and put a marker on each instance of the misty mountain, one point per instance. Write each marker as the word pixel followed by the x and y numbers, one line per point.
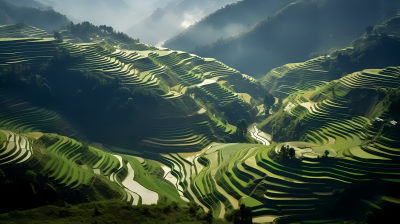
pixel 27 3
pixel 120 14
pixel 295 31
pixel 169 21
pixel 227 21
pixel 46 19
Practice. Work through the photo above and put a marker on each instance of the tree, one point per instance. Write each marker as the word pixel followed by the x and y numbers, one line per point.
pixel 246 216
pixel 326 153
pixel 58 36
pixel 110 29
pixel 292 152
pixel 209 216
pixel 103 27
pixel 369 29
pixel 241 129
pixel 269 101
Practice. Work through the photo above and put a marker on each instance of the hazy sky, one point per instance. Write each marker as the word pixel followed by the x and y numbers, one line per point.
pixel 121 14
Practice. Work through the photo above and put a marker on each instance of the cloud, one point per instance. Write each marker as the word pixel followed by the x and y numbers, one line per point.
pixel 191 17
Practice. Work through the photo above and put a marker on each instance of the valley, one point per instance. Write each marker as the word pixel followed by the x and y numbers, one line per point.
pixel 95 122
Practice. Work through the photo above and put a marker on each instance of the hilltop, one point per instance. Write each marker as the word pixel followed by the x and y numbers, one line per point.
pixel 45 18
pixel 28 3
pixel 293 32
pixel 229 20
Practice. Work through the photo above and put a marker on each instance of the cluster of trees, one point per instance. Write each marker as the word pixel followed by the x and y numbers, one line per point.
pixel 113 211
pixel 287 152
pixel 359 202
pixel 240 216
pixel 58 37
pixel 85 29
pixel 241 130
pixel 47 19
pixel 105 28
pixel 269 101
pixel 374 51
pixel 35 189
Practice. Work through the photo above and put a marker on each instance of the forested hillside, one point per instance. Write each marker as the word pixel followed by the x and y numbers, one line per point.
pixel 169 21
pixel 295 31
pixel 45 18
pixel 28 3
pixel 229 20
pixel 97 127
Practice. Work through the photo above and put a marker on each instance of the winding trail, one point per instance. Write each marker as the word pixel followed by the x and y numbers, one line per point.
pixel 255 133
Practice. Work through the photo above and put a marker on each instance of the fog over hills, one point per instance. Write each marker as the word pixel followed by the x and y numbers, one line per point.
pixel 295 31
pixel 44 18
pixel 121 14
pixel 169 21
pixel 229 20
pixel 28 3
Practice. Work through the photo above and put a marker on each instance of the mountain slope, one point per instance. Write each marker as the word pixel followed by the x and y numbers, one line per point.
pixel 227 21
pixel 28 3
pixel 159 123
pixel 293 32
pixel 149 88
pixel 44 19
pixel 171 20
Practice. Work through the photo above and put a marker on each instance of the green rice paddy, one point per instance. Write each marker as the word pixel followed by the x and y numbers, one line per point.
pixel 182 161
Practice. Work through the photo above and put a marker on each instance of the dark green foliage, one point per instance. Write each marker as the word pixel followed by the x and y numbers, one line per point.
pixel 46 19
pixel 291 152
pixel 241 129
pixel 286 153
pixel 269 41
pixel 85 29
pixel 348 201
pixel 111 211
pixel 233 111
pixel 326 153
pixel 374 51
pixel 63 56
pixel 240 216
pixel 369 29
pixel 269 101
pixel 58 37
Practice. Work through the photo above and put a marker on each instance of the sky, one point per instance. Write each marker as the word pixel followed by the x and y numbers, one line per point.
pixel 121 14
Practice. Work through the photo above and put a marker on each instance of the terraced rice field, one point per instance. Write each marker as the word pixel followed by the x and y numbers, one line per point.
pixel 371 78
pixel 182 134
pixel 20 116
pixel 14 148
pixel 14 31
pixel 30 51
pixel 220 176
pixel 328 119
pixel 390 27
pixel 290 78
pixel 70 166
pixel 191 68
pixel 220 94
pixel 226 172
